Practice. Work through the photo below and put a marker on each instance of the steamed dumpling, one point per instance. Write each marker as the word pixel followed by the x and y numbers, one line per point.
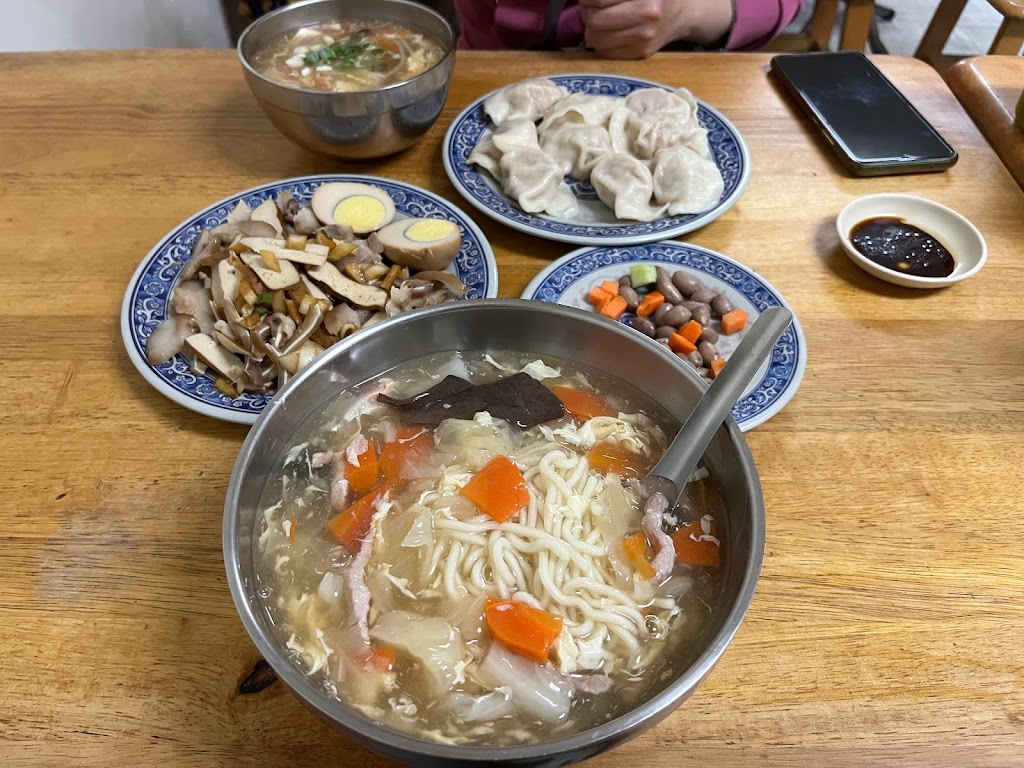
pixel 534 180
pixel 529 99
pixel 625 185
pixel 657 101
pixel 576 148
pixel 586 108
pixel 642 135
pixel 686 181
pixel 516 132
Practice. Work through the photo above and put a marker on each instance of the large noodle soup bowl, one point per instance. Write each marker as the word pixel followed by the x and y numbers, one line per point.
pixel 534 328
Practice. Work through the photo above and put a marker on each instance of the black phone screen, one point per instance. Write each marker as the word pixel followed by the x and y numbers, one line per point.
pixel 864 114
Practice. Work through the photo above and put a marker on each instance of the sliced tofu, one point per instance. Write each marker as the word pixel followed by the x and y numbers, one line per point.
pixel 218 358
pixel 225 282
pixel 267 212
pixel 348 289
pixel 276 247
pixel 275 281
pixel 314 289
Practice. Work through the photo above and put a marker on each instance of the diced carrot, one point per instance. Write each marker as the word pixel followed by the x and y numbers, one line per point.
pixel 635 547
pixel 693 546
pixel 582 405
pixel 351 525
pixel 499 489
pixel 613 458
pixel 599 296
pixel 734 322
pixel 530 632
pixel 614 308
pixel 680 344
pixel 717 366
pixel 291 528
pixel 380 658
pixel 408 450
pixel 691 331
pixel 387 43
pixel 649 303
pixel 610 286
pixel 362 476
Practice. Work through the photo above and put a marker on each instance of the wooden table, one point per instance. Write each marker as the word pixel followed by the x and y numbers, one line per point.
pixel 989 87
pixel 886 627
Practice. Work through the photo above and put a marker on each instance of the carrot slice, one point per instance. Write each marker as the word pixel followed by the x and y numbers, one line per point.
pixel 694 547
pixel 362 476
pixel 614 308
pixel 613 458
pixel 691 331
pixel 635 546
pixel 380 658
pixel 717 366
pixel 351 525
pixel 401 456
pixel 598 296
pixel 680 344
pixel 291 528
pixel 649 303
pixel 610 286
pixel 530 632
pixel 734 322
pixel 499 489
pixel 582 405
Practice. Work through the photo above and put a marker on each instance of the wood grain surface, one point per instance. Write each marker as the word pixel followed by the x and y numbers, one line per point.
pixel 989 88
pixel 886 629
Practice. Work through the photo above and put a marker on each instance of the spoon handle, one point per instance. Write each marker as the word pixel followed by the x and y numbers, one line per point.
pixel 682 456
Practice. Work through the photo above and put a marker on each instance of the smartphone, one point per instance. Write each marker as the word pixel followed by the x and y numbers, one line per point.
pixel 865 118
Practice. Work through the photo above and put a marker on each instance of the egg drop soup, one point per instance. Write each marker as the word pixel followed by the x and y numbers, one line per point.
pixel 347 56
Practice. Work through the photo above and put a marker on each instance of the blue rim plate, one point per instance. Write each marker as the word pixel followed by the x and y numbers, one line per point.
pixel 146 300
pixel 569 279
pixel 485 194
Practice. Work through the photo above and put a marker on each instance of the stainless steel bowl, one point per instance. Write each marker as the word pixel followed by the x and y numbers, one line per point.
pixel 359 124
pixel 539 329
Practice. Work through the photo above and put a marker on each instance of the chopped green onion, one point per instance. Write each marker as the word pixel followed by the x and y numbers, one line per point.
pixel 265 298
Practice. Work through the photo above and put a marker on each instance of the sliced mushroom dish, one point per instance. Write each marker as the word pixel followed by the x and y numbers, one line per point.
pixel 274 286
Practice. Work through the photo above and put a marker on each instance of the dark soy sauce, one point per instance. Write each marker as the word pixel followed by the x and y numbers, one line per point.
pixel 902 247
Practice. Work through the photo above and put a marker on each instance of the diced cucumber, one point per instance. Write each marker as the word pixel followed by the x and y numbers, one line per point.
pixel 642 274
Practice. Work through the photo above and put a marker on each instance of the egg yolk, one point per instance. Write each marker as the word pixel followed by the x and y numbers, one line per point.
pixel 361 212
pixel 429 230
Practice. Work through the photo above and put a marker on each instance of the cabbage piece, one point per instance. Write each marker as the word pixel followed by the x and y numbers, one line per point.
pixel 488 707
pixel 538 691
pixel 474 442
pixel 616 517
pixel 430 640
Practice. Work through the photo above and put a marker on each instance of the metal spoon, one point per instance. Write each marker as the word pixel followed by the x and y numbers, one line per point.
pixel 670 475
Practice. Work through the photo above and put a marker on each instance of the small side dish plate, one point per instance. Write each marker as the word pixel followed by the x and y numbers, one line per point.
pixel 569 279
pixel 961 238
pixel 148 295
pixel 594 223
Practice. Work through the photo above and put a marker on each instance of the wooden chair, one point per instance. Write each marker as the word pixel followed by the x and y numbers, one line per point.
pixel 1009 39
pixel 856 28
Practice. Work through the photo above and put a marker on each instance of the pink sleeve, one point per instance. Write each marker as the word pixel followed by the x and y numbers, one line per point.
pixel 760 21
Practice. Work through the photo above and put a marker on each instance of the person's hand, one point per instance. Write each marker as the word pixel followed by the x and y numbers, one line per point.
pixel 636 29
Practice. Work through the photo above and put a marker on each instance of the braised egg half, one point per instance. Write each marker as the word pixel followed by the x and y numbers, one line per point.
pixel 428 244
pixel 362 207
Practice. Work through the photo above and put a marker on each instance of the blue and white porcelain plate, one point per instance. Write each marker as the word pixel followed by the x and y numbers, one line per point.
pixel 593 223
pixel 147 298
pixel 569 279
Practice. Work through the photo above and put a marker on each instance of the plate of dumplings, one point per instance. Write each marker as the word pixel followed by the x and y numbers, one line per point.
pixel 596 159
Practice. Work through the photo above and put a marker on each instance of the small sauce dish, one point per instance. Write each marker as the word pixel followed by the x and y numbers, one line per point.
pixel 952 231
